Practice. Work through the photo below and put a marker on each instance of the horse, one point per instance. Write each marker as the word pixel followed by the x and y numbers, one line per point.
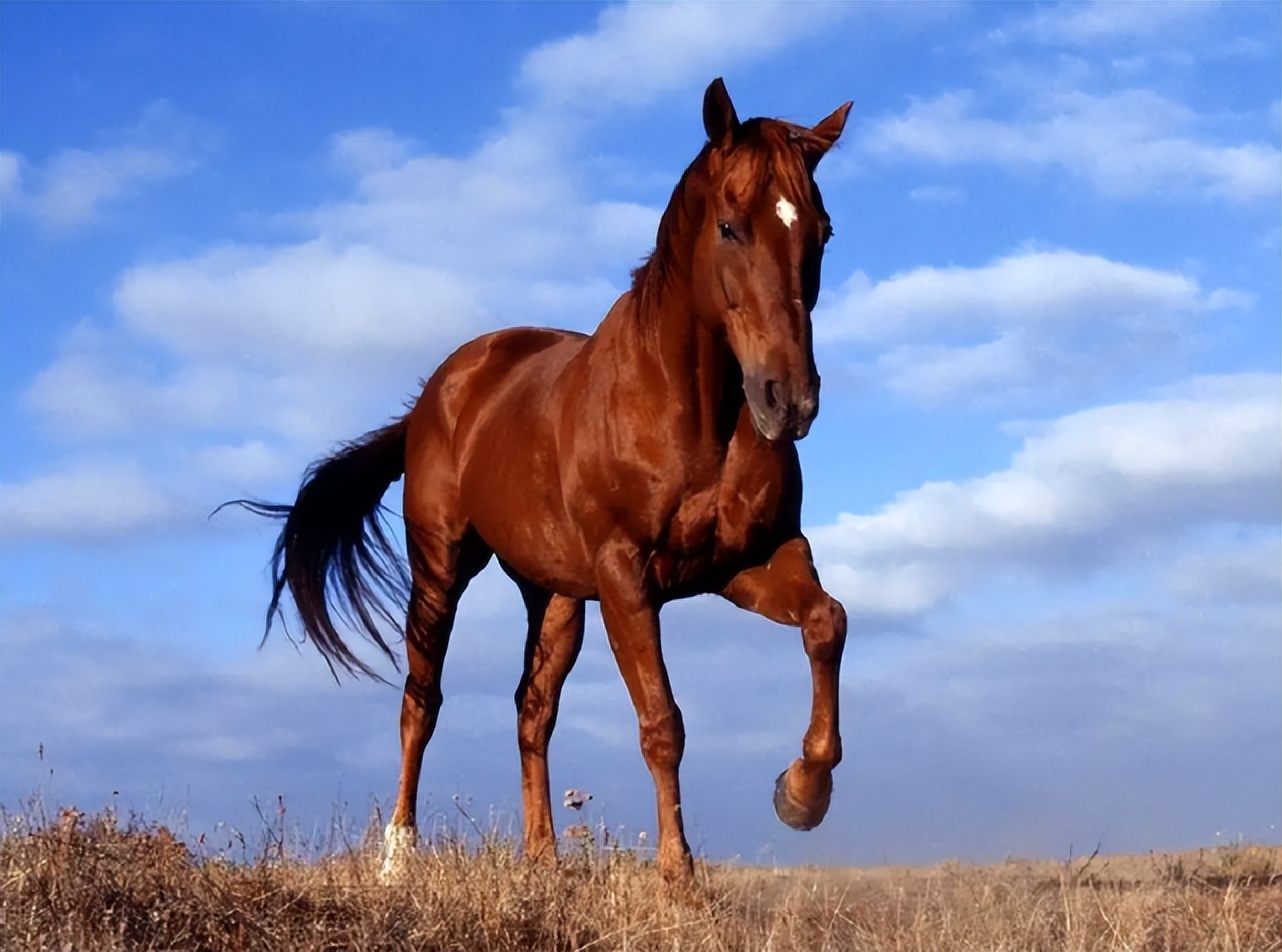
pixel 652 460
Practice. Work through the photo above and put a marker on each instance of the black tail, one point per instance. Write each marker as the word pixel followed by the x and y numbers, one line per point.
pixel 334 549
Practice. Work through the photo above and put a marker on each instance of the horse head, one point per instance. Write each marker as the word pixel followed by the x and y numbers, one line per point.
pixel 757 253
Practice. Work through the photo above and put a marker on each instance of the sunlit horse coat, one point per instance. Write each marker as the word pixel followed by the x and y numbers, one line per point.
pixel 651 460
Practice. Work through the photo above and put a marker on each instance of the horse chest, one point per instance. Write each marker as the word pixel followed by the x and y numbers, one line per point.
pixel 723 526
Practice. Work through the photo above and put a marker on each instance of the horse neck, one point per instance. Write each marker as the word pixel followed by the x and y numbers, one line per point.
pixel 653 333
pixel 664 349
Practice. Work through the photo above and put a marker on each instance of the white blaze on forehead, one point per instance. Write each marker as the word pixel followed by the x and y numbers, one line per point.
pixel 786 211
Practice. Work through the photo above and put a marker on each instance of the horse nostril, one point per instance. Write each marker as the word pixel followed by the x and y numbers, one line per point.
pixel 772 394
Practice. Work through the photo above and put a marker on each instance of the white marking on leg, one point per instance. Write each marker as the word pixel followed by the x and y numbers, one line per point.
pixel 399 844
pixel 786 211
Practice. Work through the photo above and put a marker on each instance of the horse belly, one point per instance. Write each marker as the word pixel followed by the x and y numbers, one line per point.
pixel 514 503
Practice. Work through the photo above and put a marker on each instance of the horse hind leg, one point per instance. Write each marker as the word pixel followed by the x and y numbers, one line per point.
pixel 552 646
pixel 440 572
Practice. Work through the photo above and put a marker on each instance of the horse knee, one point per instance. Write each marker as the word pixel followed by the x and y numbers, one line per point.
pixel 663 740
pixel 533 723
pixel 824 630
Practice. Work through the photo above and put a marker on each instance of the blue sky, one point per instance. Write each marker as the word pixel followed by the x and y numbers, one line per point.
pixel 1044 481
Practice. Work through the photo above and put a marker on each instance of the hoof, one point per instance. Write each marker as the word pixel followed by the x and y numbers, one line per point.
pixel 674 862
pixel 399 845
pixel 801 801
pixel 540 853
pixel 678 877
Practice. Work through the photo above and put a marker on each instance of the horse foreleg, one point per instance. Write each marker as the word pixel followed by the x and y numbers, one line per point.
pixel 552 646
pixel 786 590
pixel 632 624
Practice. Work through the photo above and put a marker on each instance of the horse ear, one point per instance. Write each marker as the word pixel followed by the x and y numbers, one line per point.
pixel 719 117
pixel 828 131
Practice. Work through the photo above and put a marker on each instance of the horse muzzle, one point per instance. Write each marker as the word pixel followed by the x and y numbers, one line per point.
pixel 780 409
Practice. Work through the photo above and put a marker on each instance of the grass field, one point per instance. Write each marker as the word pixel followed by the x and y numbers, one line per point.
pixel 89 883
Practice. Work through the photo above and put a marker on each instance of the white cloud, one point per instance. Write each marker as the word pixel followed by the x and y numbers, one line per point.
pixel 250 463
pixel 514 210
pixel 70 190
pixel 85 501
pixel 1034 320
pixel 1127 143
pixel 360 151
pixel 75 184
pixel 1083 491
pixel 10 177
pixel 302 340
pixel 1011 363
pixel 90 394
pixel 1096 23
pixel 78 394
pixel 295 304
pixel 72 187
pixel 641 50
pixel 1241 570
pixel 1023 290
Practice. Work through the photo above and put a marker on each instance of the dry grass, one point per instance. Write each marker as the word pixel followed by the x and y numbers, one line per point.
pixel 93 883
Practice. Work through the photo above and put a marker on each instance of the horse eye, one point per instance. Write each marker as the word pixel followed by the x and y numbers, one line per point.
pixel 727 231
pixel 825 232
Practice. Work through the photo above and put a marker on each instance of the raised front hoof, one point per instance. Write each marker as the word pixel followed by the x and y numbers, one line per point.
pixel 802 796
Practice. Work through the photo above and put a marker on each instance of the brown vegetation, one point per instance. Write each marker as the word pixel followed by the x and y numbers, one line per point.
pixel 93 883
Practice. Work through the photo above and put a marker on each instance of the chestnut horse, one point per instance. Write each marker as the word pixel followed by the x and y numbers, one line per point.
pixel 649 461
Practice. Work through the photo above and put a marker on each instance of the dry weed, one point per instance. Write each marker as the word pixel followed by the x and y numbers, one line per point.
pixel 91 883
